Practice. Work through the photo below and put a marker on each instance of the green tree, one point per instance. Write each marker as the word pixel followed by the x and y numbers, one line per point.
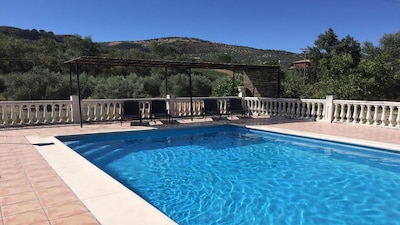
pixel 334 67
pixel 37 84
pixel 224 58
pixel 224 86
pixel 294 84
pixel 179 85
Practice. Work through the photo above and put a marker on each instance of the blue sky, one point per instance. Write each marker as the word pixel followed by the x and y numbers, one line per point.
pixel 281 24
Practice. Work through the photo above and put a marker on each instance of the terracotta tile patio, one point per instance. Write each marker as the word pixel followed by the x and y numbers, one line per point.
pixel 31 192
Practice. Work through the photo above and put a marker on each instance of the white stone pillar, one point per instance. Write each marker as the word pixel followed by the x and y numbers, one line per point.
pixel 242 91
pixel 171 104
pixel 76 118
pixel 329 109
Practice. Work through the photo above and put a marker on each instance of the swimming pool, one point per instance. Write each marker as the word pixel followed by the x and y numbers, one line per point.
pixel 234 175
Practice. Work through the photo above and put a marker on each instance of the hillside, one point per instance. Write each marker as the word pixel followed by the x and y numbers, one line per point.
pixel 29 48
pixel 195 48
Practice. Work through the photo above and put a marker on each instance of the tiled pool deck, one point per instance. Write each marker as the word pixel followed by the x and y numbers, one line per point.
pixel 34 178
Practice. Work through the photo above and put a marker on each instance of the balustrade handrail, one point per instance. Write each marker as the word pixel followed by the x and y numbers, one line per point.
pixel 382 103
pixel 33 102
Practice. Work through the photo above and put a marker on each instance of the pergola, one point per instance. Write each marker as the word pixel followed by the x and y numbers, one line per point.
pixel 105 61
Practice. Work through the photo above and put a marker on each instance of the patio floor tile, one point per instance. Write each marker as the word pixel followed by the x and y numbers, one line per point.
pixel 20 207
pixel 19 197
pixel 81 219
pixel 33 217
pixel 69 209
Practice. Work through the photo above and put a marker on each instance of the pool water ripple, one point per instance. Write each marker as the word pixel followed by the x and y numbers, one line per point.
pixel 228 175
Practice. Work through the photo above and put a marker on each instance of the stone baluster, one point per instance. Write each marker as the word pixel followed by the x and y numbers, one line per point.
pixel 271 107
pixel 178 108
pixel 12 115
pixel 307 110
pixel 281 108
pixel 336 112
pixel 29 114
pixel 267 107
pixel 362 114
pixel 292 109
pixel 88 112
pixel 355 113
pixel 186 108
pixel 21 115
pixel 322 108
pixel 36 115
pixel 369 116
pixel 107 109
pixel 4 115
pixel 384 121
pixel 286 109
pixel 61 113
pixel 91 112
pixel 258 107
pixel 183 109
pixel 261 107
pixel 313 111
pixel 113 107
pixel 67 113
pixel 277 108
pixel 295 109
pixel 302 110
pixel 376 109
pixel 318 115
pixel 348 113
pixel 298 109
pixel 342 112
pixel 53 113
pixel 398 117
pixel 249 104
pixel 255 103
pixel 102 111
pixel 44 114
pixel 96 109
pixel 391 121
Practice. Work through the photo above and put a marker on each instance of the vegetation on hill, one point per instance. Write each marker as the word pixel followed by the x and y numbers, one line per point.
pixel 31 67
pixel 197 49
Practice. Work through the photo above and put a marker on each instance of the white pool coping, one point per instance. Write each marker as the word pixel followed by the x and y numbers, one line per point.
pixel 108 200
pixel 111 202
pixel 354 141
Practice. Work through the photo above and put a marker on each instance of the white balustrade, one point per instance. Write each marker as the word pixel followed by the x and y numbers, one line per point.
pixel 24 113
pixel 382 114
pixel 372 113
pixel 182 106
pixel 289 108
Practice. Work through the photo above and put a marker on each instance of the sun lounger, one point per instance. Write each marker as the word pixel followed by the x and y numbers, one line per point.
pixel 131 111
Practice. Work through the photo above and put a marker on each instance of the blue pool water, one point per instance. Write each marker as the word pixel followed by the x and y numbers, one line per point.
pixel 233 175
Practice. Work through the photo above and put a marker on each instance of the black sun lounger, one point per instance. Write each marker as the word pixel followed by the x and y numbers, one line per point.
pixel 131 111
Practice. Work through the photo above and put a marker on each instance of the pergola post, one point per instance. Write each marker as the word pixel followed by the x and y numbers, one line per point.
pixel 70 79
pixel 190 93
pixel 233 83
pixel 79 93
pixel 166 81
